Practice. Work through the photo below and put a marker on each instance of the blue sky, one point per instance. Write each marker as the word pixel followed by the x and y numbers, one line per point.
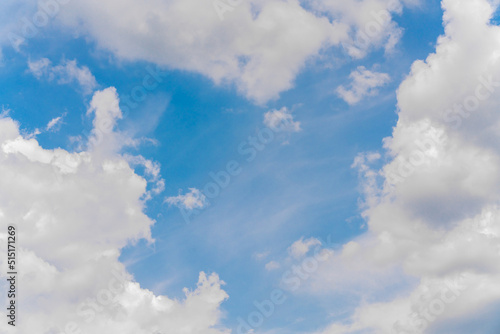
pixel 301 186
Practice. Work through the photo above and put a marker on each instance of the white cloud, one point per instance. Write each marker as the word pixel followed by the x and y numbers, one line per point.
pixel 74 213
pixel 370 23
pixel 281 120
pixel 67 72
pixel 194 199
pixel 363 83
pixel 433 211
pixel 5 112
pixel 301 247
pixel 54 123
pixel 151 169
pixel 40 67
pixel 260 46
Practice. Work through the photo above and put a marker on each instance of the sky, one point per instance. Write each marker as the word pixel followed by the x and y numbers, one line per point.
pixel 250 166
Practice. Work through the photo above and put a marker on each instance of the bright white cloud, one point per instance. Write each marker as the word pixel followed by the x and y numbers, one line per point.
pixel 260 46
pixel 281 120
pixel 67 72
pixel 151 169
pixel 74 212
pixel 194 199
pixel 433 211
pixel 363 83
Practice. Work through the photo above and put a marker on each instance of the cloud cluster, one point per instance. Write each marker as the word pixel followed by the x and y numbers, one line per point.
pixel 370 22
pixel 74 212
pixel 431 255
pixel 363 83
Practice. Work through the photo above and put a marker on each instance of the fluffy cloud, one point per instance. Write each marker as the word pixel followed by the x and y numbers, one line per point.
pixel 363 83
pixel 281 120
pixel 260 46
pixel 433 212
pixel 369 21
pixel 74 212
pixel 67 72
pixel 256 39
pixel 151 169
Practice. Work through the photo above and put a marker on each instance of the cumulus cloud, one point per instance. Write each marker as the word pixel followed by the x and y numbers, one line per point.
pixel 363 83
pixel 194 199
pixel 433 210
pixel 67 72
pixel 281 120
pixel 260 46
pixel 370 22
pixel 74 212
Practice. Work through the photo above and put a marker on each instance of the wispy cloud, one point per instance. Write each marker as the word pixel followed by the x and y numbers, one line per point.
pixel 67 72
pixel 272 265
pixel 55 123
pixel 194 199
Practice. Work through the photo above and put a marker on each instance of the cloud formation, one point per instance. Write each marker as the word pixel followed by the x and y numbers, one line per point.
pixel 74 212
pixel 363 83
pixel 259 46
pixel 65 73
pixel 433 210
pixel 281 120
